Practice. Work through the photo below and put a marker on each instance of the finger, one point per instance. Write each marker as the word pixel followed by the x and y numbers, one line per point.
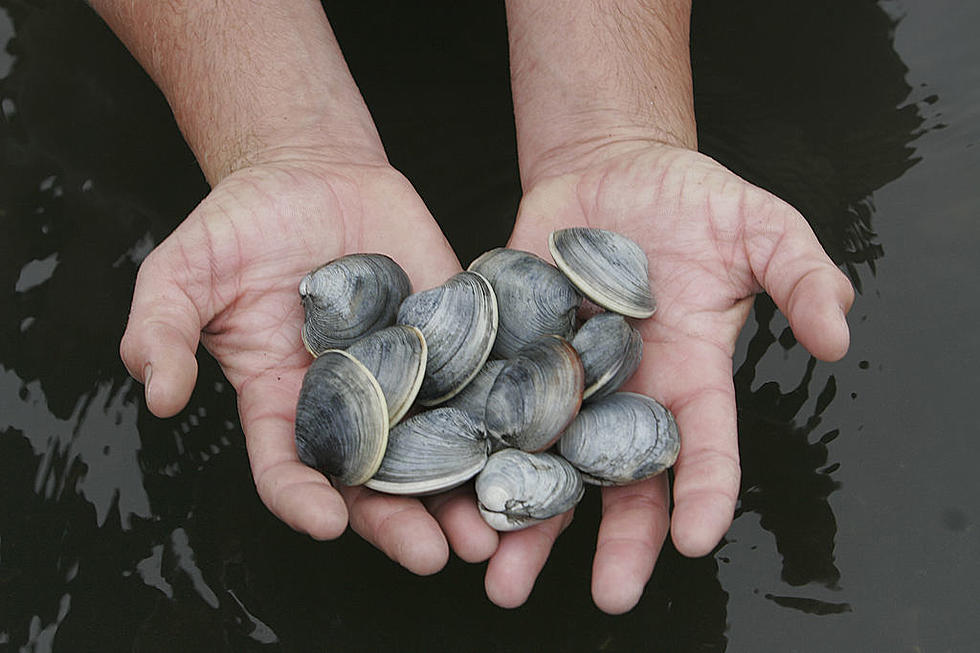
pixel 159 345
pixel 692 376
pixel 542 210
pixel 521 555
pixel 398 526
pixel 808 288
pixel 706 474
pixel 428 266
pixel 633 529
pixel 298 495
pixel 469 536
pixel 401 224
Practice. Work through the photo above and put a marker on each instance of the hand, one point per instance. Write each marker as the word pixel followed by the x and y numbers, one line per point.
pixel 713 241
pixel 229 275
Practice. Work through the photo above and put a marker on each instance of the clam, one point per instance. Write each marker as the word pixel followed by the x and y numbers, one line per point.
pixel 350 297
pixel 533 298
pixel 620 439
pixel 341 419
pixel 395 356
pixel 611 350
pixel 433 451
pixel 459 322
pixel 473 397
pixel 609 269
pixel 536 394
pixel 517 489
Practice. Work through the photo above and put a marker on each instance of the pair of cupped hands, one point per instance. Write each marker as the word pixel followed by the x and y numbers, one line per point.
pixel 227 277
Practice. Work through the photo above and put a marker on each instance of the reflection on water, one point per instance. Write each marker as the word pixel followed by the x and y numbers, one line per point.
pixel 93 452
pixel 105 510
pixel 785 476
pixel 810 101
pixel 70 195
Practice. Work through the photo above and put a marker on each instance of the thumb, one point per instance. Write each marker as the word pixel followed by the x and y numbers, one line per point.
pixel 162 333
pixel 788 261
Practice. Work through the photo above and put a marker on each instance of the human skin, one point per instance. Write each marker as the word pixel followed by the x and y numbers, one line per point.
pixel 607 138
pixel 299 176
pixel 264 98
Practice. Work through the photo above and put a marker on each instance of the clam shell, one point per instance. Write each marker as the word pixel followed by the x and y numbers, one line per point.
pixel 534 298
pixel 349 298
pixel 459 322
pixel 473 397
pixel 609 268
pixel 611 349
pixel 536 394
pixel 433 451
pixel 395 356
pixel 620 439
pixel 341 419
pixel 517 489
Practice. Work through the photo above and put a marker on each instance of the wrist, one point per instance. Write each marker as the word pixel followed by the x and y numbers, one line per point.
pixel 246 80
pixel 586 142
pixel 587 75
pixel 285 138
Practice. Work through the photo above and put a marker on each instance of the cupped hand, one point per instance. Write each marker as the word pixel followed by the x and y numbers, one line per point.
pixel 713 241
pixel 228 276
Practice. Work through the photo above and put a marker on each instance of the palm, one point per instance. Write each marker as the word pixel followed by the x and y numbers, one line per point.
pixel 263 234
pixel 690 215
pixel 231 271
pixel 712 240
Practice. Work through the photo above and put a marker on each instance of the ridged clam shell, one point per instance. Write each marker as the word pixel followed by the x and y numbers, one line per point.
pixel 534 298
pixel 517 489
pixel 349 298
pixel 473 397
pixel 459 322
pixel 395 356
pixel 620 439
pixel 536 394
pixel 611 349
pixel 341 419
pixel 431 452
pixel 609 268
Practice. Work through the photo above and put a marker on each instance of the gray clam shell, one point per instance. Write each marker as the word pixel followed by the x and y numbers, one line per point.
pixel 341 419
pixel 395 356
pixel 349 298
pixel 517 489
pixel 609 268
pixel 433 451
pixel 620 439
pixel 536 394
pixel 474 396
pixel 611 349
pixel 459 322
pixel 533 297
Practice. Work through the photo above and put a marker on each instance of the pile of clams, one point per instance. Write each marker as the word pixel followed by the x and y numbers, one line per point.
pixel 499 379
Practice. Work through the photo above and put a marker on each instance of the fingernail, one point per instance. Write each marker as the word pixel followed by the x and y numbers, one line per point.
pixel 147 374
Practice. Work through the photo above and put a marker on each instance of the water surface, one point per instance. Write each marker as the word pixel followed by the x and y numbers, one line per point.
pixel 856 527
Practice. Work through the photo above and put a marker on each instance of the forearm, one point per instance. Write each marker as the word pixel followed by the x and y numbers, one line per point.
pixel 588 73
pixel 247 79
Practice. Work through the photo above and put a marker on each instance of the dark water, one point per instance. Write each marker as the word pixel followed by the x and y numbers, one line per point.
pixel 857 527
